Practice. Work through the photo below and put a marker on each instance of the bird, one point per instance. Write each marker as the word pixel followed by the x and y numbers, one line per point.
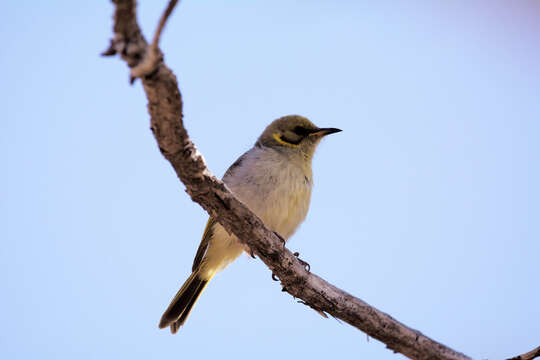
pixel 273 179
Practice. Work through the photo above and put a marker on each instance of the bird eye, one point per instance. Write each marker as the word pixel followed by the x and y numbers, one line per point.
pixel 301 131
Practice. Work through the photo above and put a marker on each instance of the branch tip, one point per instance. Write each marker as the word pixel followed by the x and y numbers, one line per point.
pixel 163 21
pixel 111 51
pixel 153 56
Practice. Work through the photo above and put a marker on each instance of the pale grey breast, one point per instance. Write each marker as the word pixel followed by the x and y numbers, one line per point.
pixel 273 186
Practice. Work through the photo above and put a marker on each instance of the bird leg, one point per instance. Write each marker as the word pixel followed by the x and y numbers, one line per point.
pixel 280 238
pixel 306 264
pixel 274 277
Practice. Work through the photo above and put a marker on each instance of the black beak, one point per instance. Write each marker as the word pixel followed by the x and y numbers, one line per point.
pixel 326 131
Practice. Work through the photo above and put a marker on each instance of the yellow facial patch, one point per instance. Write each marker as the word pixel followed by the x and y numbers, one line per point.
pixel 278 138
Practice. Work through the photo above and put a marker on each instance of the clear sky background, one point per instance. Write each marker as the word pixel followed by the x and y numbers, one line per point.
pixel 426 206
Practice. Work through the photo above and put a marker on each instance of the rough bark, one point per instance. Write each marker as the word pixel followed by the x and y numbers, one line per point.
pixel 528 355
pixel 165 108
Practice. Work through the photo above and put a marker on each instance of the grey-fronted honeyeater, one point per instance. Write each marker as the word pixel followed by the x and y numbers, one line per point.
pixel 274 179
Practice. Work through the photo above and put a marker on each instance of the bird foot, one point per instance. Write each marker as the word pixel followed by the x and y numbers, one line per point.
pixel 306 264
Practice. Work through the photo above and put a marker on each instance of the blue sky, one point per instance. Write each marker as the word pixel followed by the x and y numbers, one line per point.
pixel 426 206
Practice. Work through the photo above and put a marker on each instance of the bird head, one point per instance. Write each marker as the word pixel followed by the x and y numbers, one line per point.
pixel 294 135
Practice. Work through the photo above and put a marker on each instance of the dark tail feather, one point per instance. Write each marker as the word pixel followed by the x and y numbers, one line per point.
pixel 180 307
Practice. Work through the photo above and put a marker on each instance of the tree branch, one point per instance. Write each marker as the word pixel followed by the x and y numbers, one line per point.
pixel 528 356
pixel 165 108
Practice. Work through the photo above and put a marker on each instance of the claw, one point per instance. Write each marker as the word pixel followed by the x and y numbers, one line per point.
pixel 280 238
pixel 306 264
pixel 274 277
pixel 320 312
